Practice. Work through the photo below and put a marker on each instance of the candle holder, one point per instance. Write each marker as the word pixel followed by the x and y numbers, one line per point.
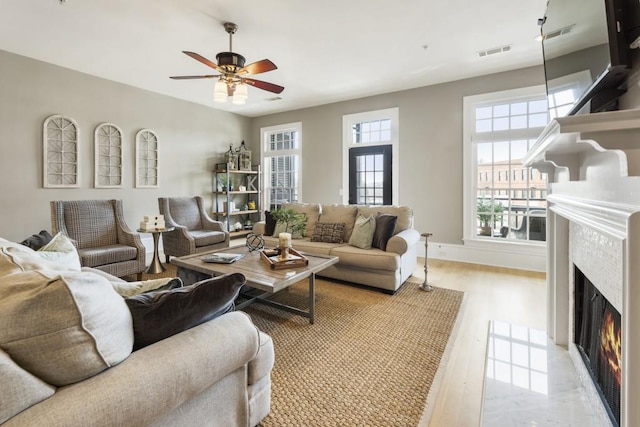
pixel 284 253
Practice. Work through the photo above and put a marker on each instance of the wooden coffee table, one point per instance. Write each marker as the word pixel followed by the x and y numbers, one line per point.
pixel 259 276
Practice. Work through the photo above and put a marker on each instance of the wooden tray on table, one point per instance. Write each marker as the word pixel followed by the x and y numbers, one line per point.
pixel 296 259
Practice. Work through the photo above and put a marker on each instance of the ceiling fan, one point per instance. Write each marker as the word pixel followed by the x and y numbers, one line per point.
pixel 231 80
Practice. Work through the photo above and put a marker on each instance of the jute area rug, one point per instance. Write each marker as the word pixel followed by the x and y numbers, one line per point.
pixel 370 359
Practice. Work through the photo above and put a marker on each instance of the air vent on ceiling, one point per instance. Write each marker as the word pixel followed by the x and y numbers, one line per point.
pixel 275 98
pixel 494 51
pixel 561 32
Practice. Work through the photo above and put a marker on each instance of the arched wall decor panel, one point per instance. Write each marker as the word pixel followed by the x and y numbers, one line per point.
pixel 60 152
pixel 147 159
pixel 108 156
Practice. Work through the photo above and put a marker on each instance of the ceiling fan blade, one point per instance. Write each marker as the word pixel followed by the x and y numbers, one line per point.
pixel 258 67
pixel 264 85
pixel 202 59
pixel 208 76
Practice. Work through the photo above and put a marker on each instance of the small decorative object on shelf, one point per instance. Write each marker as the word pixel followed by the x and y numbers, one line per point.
pixel 244 158
pixel 231 158
pixel 255 242
pixel 251 205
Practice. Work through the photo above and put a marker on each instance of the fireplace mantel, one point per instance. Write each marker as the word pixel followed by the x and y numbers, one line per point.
pixel 593 223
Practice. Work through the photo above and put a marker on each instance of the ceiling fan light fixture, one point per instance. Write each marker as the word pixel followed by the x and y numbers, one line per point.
pixel 220 91
pixel 240 94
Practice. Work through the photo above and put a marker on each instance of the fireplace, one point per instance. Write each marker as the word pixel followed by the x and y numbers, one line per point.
pixel 593 238
pixel 598 338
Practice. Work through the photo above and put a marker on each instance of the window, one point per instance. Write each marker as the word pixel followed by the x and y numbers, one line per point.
pixel 370 157
pixel 281 150
pixel 499 130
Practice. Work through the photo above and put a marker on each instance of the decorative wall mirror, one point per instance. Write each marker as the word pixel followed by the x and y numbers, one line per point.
pixel 146 159
pixel 108 156
pixel 60 138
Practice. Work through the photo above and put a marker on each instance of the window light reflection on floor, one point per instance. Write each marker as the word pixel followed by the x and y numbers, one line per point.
pixel 517 355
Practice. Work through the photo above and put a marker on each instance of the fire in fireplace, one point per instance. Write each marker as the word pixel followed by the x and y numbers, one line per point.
pixel 598 339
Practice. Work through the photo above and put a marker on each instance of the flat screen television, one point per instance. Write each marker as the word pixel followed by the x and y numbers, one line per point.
pixel 587 57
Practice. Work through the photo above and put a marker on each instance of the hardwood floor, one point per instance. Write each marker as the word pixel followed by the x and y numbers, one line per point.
pixel 492 293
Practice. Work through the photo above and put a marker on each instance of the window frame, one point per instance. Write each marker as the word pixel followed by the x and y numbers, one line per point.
pixel 348 120
pixel 470 169
pixel 264 133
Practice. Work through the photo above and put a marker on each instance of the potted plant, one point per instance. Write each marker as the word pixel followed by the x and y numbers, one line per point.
pixel 490 212
pixel 294 222
pixel 224 182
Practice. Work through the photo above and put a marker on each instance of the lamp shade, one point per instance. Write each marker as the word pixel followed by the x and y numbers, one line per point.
pixel 240 94
pixel 220 91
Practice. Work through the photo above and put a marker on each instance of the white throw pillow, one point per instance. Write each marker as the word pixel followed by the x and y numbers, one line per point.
pixel 61 250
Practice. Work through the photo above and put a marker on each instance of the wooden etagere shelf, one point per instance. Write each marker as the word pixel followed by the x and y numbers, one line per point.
pixel 232 190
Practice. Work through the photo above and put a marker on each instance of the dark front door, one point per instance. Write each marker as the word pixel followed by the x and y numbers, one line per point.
pixel 370 175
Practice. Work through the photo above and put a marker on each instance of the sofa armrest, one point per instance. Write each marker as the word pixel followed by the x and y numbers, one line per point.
pixel 401 242
pixel 259 227
pixel 153 381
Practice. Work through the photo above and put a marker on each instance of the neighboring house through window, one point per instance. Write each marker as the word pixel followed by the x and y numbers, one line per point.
pixel 281 151
pixel 370 157
pixel 499 130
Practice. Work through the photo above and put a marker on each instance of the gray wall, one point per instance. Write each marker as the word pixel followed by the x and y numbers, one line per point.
pixel 430 146
pixel 192 139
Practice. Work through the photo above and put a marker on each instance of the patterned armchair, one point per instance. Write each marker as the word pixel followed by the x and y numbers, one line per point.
pixel 103 239
pixel 194 232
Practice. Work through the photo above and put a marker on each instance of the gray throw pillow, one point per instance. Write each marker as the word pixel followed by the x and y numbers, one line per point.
pixel 363 230
pixel 160 314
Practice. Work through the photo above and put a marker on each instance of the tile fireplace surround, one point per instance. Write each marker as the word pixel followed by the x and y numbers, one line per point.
pixel 593 222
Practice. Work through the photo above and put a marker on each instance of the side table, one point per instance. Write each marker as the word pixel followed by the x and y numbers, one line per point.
pixel 426 286
pixel 156 266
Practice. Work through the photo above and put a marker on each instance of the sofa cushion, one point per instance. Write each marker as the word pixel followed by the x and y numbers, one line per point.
pixel 19 388
pixel 303 245
pixel 363 230
pixel 309 210
pixel 111 254
pixel 36 241
pixel 385 226
pixel 207 237
pixel 338 214
pixel 161 314
pixel 63 327
pixel 62 251
pixel 328 232
pixel 404 214
pixel 366 259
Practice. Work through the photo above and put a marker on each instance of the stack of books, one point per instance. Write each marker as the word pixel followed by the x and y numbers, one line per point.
pixel 152 223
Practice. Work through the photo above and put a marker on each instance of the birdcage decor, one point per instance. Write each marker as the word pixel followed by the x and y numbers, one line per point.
pixel 231 159
pixel 244 157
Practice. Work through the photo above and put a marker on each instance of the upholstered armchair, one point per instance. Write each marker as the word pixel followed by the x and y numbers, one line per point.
pixel 194 232
pixel 99 232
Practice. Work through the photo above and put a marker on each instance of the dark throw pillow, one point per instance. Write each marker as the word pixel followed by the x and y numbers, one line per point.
pixel 37 241
pixel 385 226
pixel 160 314
pixel 270 223
pixel 328 232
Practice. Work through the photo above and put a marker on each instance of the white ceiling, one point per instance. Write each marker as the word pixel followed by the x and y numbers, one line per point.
pixel 326 51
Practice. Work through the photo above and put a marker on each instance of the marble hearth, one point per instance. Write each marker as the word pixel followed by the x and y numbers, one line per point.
pixel 593 223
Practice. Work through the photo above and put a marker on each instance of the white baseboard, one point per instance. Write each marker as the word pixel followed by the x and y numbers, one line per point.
pixel 520 257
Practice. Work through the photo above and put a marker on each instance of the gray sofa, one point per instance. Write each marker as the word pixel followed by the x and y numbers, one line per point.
pixel 66 360
pixel 383 269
